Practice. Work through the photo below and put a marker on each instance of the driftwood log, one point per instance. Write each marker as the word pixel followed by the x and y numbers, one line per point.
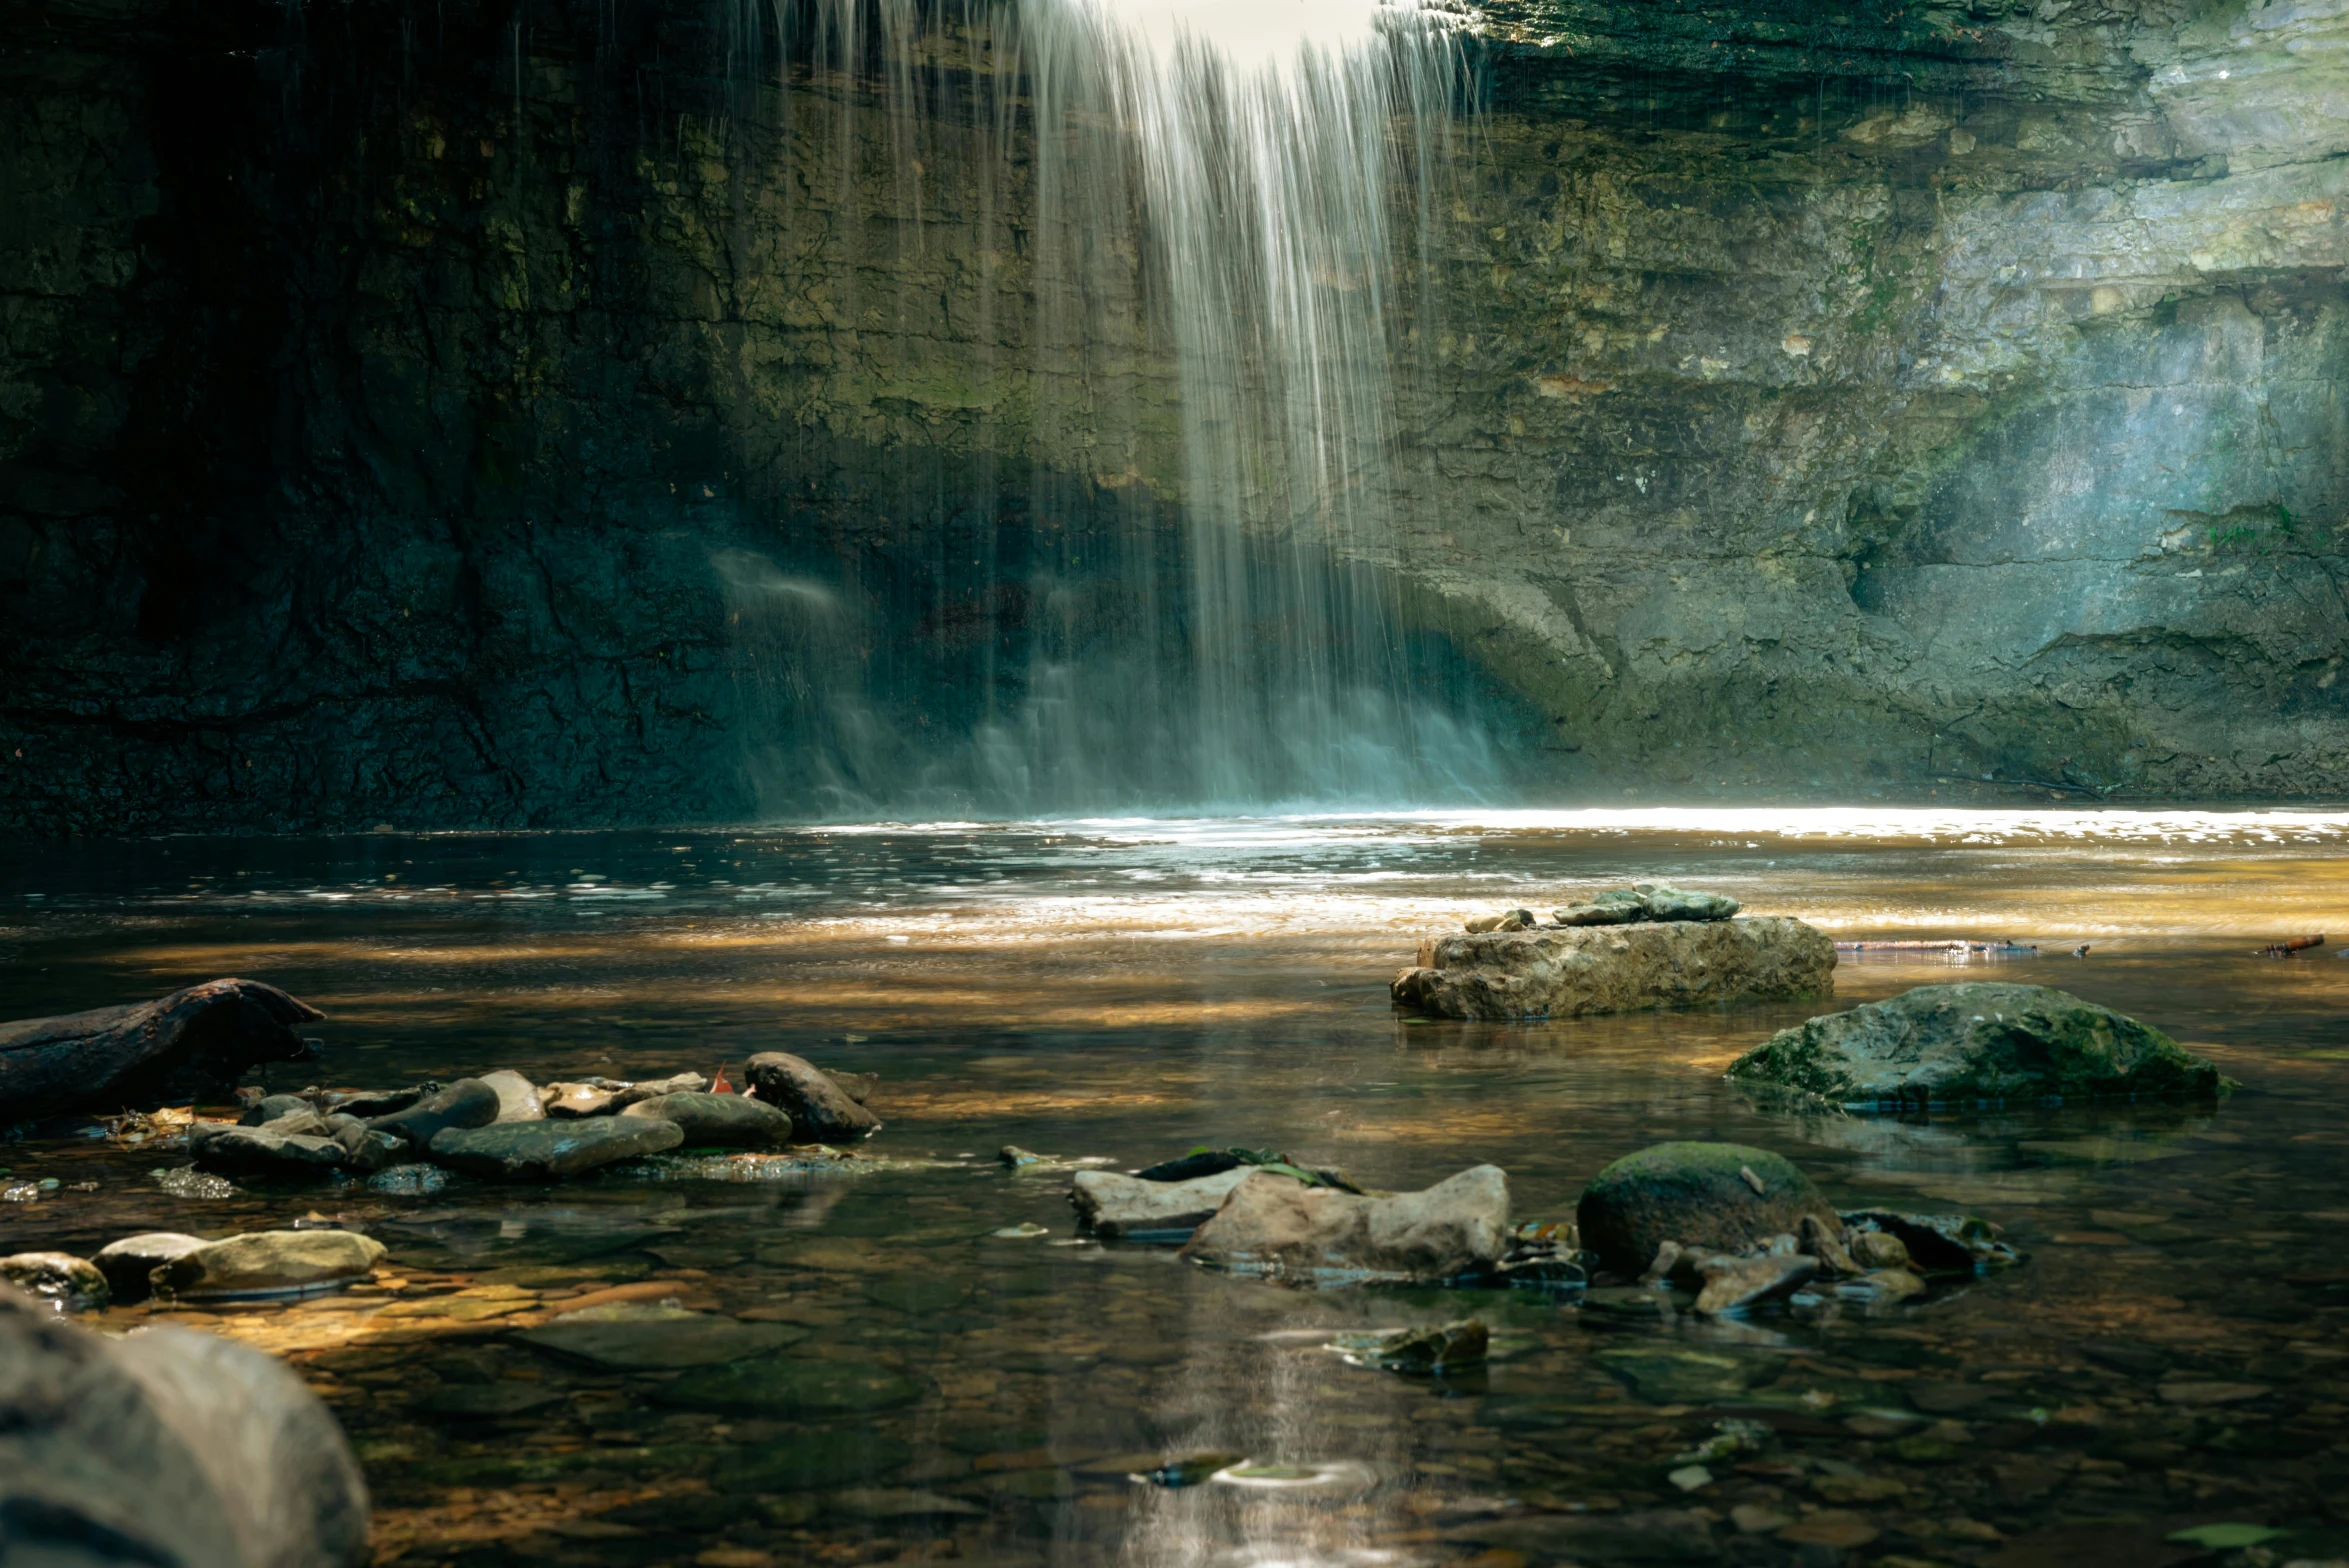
pixel 191 1047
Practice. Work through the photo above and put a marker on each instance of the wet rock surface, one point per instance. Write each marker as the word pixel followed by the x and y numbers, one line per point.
pixel 730 1121
pixel 820 1110
pixel 551 1150
pixel 1113 1204
pixel 267 1263
pixel 1567 973
pixel 519 1100
pixel 128 1263
pixel 65 1282
pixel 1272 1226
pixel 1971 1044
pixel 626 1338
pixel 467 1103
pixel 1724 1197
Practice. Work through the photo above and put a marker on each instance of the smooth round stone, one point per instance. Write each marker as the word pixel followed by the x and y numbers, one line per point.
pixel 1725 1197
pixel 791 1387
pixel 717 1121
pixel 657 1339
pixel 271 1263
pixel 551 1150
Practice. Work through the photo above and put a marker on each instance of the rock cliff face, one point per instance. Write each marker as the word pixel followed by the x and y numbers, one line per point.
pixel 459 415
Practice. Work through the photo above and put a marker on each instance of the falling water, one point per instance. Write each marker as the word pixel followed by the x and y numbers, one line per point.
pixel 1220 179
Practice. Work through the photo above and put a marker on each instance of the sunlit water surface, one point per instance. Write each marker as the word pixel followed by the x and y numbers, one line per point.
pixel 2171 1354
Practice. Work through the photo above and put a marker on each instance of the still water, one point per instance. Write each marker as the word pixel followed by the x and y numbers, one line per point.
pixel 2171 1354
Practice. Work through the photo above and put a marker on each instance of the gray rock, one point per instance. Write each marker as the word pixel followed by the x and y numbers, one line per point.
pixel 634 1337
pixel 262 1151
pixel 518 1098
pixel 1110 1203
pixel 166 1447
pixel 65 1282
pixel 301 1122
pixel 653 1088
pixel 1553 973
pixel 732 1121
pixel 1722 1197
pixel 364 1148
pixel 1981 1042
pixel 1732 1282
pixel 271 1107
pixel 551 1150
pixel 269 1263
pixel 466 1103
pixel 1276 1227
pixel 820 1112
pixel 127 1263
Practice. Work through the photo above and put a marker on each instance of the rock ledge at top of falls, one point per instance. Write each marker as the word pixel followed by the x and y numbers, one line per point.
pixel 1948 1045
pixel 1554 972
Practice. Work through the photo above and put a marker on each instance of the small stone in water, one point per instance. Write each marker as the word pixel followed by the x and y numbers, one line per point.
pixel 185 1181
pixel 1690 1478
pixel 408 1181
pixel 1188 1471
pixel 1425 1350
pixel 1014 1156
pixel 1022 1232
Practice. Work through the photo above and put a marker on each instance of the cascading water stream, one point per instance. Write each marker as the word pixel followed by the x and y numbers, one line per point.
pixel 1212 185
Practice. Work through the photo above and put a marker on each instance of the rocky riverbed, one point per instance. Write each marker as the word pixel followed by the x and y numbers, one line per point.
pixel 911 1347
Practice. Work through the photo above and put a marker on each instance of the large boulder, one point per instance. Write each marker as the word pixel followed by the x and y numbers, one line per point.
pixel 551 1150
pixel 1110 1203
pixel 729 1121
pixel 1277 1227
pixel 820 1110
pixel 1721 1197
pixel 269 1263
pixel 1563 973
pixel 1982 1042
pixel 167 1446
pixel 191 1047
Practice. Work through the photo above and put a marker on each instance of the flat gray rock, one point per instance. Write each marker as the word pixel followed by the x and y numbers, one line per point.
pixel 1565 973
pixel 1277 1227
pixel 551 1150
pixel 266 1151
pixel 270 1263
pixel 1110 1203
pixel 657 1339
pixel 729 1121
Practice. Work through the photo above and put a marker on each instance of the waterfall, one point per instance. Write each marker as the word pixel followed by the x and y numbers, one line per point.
pixel 1213 185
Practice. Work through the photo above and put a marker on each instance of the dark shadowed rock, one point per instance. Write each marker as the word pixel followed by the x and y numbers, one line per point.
pixel 1647 901
pixel 466 1103
pixel 636 1337
pixel 812 1386
pixel 551 1150
pixel 127 1263
pixel 274 1107
pixel 1277 1227
pixel 857 1086
pixel 1551 973
pixel 653 1088
pixel 166 1447
pixel 193 1046
pixel 1979 1042
pixel 269 1263
pixel 65 1282
pixel 820 1111
pixel 264 1151
pixel 729 1121
pixel 1723 1197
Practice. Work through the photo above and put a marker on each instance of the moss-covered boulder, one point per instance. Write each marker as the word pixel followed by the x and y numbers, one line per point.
pixel 1959 1045
pixel 1723 1196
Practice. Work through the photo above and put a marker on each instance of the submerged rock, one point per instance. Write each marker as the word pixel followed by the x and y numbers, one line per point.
pixel 191 1047
pixel 1934 1243
pixel 167 1446
pixel 408 1181
pixel 1449 1347
pixel 466 1103
pixel 1552 973
pixel 551 1150
pixel 128 1263
pixel 820 1111
pixel 1734 1282
pixel 269 1263
pixel 1272 1225
pixel 518 1098
pixel 1721 1197
pixel 1978 1042
pixel 783 1388
pixel 1111 1204
pixel 640 1337
pixel 731 1121
pixel 65 1282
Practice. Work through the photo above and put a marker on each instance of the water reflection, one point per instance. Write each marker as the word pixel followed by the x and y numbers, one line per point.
pixel 2168 1355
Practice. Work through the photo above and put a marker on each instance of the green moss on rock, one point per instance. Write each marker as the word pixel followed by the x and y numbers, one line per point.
pixel 1725 1196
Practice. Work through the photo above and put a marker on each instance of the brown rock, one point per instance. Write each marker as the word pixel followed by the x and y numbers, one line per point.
pixel 820 1111
pixel 193 1046
pixel 1554 973
pixel 1274 1226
